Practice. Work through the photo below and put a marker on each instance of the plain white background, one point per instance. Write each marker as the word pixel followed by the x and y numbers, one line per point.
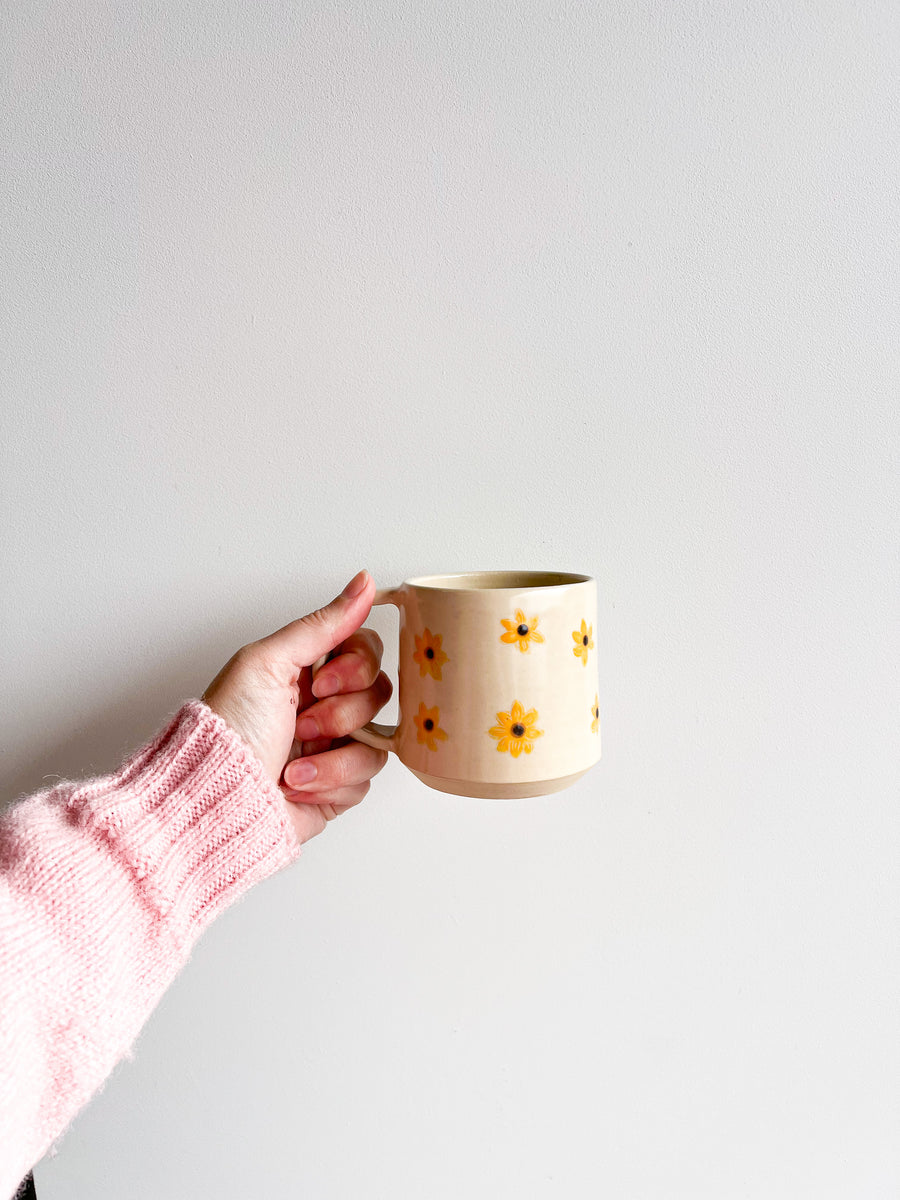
pixel 294 288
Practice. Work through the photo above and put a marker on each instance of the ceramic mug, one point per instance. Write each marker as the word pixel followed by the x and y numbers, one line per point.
pixel 498 684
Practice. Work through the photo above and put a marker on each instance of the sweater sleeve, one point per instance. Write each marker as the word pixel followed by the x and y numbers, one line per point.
pixel 105 885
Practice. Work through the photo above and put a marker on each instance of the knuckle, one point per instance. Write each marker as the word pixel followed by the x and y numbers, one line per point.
pixel 340 717
pixel 247 656
pixel 331 772
pixel 344 768
pixel 359 792
pixel 322 618
pixel 252 660
pixel 360 674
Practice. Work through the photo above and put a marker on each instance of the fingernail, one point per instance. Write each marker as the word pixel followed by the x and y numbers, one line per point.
pixel 307 728
pixel 356 585
pixel 300 772
pixel 325 685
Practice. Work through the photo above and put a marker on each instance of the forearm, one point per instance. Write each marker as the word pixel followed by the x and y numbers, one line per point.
pixel 105 886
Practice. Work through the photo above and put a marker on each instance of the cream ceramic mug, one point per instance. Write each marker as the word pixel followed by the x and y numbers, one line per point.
pixel 498 683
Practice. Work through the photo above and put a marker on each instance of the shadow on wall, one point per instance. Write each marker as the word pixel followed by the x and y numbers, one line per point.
pixel 101 738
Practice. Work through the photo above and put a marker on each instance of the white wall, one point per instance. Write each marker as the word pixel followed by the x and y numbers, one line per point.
pixel 291 288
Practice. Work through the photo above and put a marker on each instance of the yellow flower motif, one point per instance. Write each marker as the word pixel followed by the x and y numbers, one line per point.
pixel 428 730
pixel 595 713
pixel 584 641
pixel 429 654
pixel 516 731
pixel 521 631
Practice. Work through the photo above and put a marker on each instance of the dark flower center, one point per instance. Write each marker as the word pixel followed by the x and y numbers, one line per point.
pixel 522 630
pixel 584 640
pixel 429 653
pixel 429 724
pixel 518 730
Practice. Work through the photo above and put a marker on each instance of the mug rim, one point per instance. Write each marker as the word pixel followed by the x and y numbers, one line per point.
pixel 497 581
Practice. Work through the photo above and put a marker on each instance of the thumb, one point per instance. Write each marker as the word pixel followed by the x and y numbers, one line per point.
pixel 311 637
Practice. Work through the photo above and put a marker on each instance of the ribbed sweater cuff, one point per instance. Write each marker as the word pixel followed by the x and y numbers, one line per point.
pixel 195 817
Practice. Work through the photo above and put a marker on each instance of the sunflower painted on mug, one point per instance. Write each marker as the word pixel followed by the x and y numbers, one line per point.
pixel 521 632
pixel 595 715
pixel 516 730
pixel 429 654
pixel 428 729
pixel 584 641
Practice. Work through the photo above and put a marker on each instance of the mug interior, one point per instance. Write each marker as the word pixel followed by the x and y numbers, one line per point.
pixel 497 580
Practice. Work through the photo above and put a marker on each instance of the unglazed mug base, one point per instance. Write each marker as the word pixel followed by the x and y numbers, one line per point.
pixel 498 791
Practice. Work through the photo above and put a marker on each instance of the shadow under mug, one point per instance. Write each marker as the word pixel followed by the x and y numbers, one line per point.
pixel 498 683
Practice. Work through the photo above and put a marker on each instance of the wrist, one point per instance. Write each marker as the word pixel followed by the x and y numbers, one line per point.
pixel 196 817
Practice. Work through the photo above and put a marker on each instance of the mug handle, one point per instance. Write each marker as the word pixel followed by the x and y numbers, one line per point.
pixel 379 737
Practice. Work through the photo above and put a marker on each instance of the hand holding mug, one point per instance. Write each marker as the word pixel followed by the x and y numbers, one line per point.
pixel 297 722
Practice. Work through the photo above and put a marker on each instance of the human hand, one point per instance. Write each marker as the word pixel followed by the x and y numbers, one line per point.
pixel 297 724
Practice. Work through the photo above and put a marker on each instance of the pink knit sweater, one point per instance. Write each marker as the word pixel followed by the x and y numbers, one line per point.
pixel 105 885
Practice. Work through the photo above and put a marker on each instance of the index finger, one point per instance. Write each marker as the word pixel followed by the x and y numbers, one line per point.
pixel 354 666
